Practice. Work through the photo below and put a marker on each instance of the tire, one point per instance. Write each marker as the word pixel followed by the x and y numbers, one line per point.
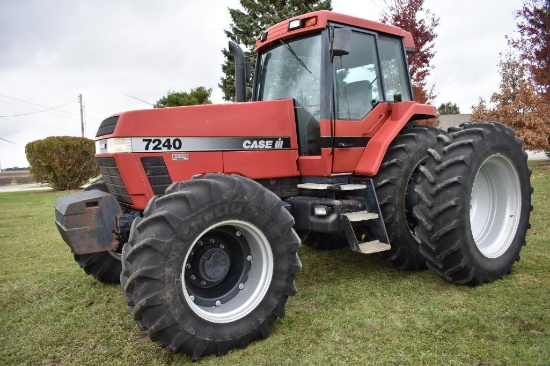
pixel 395 183
pixel 475 203
pixel 103 266
pixel 211 264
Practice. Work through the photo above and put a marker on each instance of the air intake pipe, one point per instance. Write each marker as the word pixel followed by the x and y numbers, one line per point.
pixel 240 72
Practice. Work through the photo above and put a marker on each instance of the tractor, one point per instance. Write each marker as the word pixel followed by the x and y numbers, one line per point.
pixel 200 210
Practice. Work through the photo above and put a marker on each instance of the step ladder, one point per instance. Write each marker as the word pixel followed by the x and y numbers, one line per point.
pixel 366 190
pixel 369 247
pixel 332 187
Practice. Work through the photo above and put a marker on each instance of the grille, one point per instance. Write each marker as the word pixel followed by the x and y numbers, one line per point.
pixel 113 180
pixel 158 175
pixel 107 126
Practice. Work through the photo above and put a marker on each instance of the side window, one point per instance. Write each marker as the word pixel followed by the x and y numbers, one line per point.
pixel 394 72
pixel 357 78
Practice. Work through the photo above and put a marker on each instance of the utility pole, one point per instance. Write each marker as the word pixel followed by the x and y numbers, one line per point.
pixel 81 114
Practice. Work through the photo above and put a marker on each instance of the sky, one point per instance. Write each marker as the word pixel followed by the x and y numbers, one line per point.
pixel 125 55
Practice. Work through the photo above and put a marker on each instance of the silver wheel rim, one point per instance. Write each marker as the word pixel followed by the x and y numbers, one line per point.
pixel 495 206
pixel 257 283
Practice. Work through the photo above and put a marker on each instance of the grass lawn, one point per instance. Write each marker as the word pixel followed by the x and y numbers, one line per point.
pixel 351 309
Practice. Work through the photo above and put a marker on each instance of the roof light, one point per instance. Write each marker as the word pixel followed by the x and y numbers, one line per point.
pixel 302 23
pixel 295 24
pixel 310 22
pixel 263 36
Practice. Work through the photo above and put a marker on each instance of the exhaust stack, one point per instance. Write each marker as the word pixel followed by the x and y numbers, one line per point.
pixel 240 72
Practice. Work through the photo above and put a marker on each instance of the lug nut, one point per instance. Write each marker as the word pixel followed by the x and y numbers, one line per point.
pixel 203 282
pixel 192 298
pixel 249 258
pixel 200 243
pixel 218 303
pixel 193 277
pixel 222 246
pixel 212 241
pixel 188 265
pixel 238 233
pixel 241 286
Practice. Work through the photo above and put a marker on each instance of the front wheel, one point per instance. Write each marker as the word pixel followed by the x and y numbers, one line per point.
pixel 475 203
pixel 211 265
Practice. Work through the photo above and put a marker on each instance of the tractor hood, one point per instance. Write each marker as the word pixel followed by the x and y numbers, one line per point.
pixel 254 119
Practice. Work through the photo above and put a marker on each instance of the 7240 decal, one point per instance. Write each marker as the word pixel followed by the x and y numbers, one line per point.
pixel 167 144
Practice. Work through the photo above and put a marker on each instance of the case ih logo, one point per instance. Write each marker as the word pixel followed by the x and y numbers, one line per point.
pixel 264 144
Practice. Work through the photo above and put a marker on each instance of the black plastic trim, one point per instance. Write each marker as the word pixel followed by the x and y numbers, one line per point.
pixel 107 127
pixel 111 175
pixel 157 173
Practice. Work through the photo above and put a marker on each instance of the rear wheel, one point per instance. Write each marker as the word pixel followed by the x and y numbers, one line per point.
pixel 476 203
pixel 103 266
pixel 395 183
pixel 211 265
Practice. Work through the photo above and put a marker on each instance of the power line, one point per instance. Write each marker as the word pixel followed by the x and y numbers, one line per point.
pixel 42 106
pixel 11 142
pixel 35 112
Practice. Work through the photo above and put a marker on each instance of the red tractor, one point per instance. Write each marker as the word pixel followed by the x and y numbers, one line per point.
pixel 200 210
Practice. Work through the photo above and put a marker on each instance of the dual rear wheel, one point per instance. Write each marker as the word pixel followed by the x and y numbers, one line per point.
pixel 458 203
pixel 475 203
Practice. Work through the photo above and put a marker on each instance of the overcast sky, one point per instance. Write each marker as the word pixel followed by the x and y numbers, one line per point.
pixel 114 51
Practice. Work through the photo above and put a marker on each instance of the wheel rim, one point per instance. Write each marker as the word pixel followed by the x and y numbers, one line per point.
pixel 495 206
pixel 227 271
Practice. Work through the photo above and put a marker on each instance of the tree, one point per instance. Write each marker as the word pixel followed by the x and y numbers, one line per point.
pixel 411 16
pixel 199 95
pixel 249 21
pixel 448 108
pixel 533 43
pixel 518 105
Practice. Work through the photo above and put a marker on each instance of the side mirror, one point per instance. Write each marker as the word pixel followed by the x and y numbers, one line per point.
pixel 341 43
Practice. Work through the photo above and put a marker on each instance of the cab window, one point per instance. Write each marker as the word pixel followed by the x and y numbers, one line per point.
pixel 394 68
pixel 357 78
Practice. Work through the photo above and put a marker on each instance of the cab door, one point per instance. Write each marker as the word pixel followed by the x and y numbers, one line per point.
pixel 366 81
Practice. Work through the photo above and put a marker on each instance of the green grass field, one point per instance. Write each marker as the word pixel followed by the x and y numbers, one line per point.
pixel 351 309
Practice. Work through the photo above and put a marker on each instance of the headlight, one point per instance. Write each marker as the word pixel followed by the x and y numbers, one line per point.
pixel 113 146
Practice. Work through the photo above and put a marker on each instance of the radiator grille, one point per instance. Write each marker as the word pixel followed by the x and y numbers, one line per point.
pixel 158 175
pixel 113 180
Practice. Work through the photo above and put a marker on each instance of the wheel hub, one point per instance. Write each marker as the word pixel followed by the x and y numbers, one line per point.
pixel 216 267
pixel 227 271
pixel 209 264
pixel 214 264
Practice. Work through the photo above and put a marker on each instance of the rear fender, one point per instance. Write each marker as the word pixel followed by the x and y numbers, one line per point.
pixel 400 114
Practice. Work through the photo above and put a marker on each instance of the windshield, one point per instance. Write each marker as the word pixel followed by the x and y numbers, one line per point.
pixel 293 70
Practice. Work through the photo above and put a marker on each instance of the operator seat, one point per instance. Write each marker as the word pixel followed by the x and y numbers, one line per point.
pixel 359 99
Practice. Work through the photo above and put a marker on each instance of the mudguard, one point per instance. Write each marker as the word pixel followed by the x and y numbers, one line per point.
pixel 401 114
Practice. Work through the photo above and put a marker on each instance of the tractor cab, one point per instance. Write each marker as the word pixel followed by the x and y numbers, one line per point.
pixel 341 79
